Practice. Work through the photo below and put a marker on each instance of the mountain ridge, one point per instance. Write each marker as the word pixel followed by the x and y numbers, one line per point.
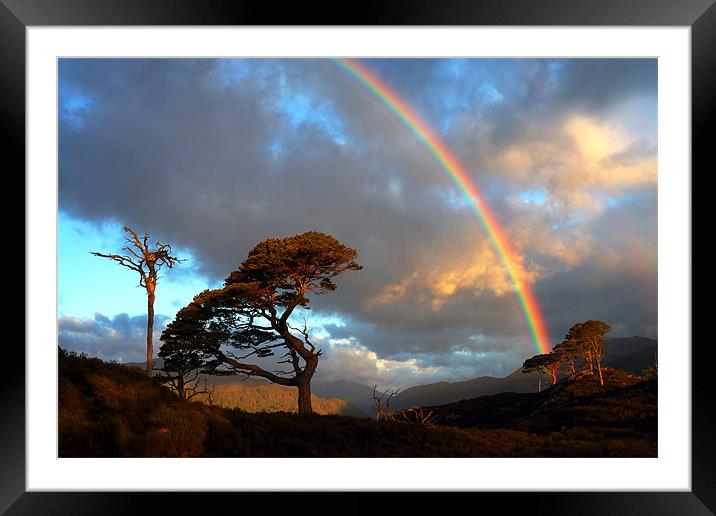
pixel 631 354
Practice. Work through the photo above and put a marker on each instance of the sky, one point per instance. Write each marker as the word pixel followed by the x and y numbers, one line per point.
pixel 216 155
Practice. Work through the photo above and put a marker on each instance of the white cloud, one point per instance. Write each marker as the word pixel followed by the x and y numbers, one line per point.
pixel 121 338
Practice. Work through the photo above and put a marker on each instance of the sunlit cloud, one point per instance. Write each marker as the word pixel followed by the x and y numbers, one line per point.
pixel 476 270
pixel 349 359
pixel 577 165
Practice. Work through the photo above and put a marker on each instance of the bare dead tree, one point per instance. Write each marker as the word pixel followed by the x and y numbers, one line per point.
pixel 419 416
pixel 388 409
pixel 378 396
pixel 377 400
pixel 147 261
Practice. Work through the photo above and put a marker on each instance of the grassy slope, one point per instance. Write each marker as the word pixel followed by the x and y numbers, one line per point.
pixel 625 408
pixel 259 395
pixel 108 410
pixel 269 397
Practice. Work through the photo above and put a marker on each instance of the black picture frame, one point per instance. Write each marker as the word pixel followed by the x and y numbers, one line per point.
pixel 700 15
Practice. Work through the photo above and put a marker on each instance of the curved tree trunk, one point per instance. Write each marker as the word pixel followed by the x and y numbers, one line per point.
pixel 553 377
pixel 150 329
pixel 304 398
pixel 599 368
pixel 303 382
pixel 180 387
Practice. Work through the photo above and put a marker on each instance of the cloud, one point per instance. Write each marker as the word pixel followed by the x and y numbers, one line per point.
pixel 121 338
pixel 576 162
pixel 476 270
pixel 347 358
pixel 215 156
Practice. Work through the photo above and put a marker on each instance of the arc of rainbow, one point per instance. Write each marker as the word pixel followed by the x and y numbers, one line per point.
pixel 458 174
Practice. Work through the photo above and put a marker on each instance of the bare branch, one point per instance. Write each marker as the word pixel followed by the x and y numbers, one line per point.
pixel 304 332
pixel 418 415
pixel 254 370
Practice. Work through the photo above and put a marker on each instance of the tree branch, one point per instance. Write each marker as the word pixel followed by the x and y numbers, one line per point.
pixel 254 370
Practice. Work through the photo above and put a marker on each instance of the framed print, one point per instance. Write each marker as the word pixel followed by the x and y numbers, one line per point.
pixel 442 245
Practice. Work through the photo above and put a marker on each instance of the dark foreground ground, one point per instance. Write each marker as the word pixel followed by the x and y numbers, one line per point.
pixel 109 410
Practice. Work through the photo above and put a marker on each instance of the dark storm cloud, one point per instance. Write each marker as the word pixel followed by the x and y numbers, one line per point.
pixel 217 156
pixel 595 83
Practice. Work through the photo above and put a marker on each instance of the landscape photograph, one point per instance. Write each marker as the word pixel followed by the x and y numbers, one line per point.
pixel 357 257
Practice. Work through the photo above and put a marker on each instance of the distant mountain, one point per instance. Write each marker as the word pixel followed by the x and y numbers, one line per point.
pixel 631 354
pixel 445 392
pixel 356 393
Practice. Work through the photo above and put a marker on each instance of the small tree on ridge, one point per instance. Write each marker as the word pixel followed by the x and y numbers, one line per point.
pixel 569 352
pixel 547 364
pixel 589 339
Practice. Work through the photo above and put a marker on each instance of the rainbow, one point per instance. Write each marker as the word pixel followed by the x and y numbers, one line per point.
pixel 459 176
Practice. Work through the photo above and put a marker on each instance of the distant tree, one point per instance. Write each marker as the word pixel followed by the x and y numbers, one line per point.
pixel 589 339
pixel 251 312
pixel 568 351
pixel 547 364
pixel 146 260
pixel 378 397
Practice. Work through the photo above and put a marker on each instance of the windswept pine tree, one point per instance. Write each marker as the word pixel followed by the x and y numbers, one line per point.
pixel 569 352
pixel 250 316
pixel 588 338
pixel 547 364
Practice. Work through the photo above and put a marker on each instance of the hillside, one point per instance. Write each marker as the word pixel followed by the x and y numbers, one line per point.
pixel 258 395
pixel 631 354
pixel 627 402
pixel 109 410
pixel 263 396
pixel 447 392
